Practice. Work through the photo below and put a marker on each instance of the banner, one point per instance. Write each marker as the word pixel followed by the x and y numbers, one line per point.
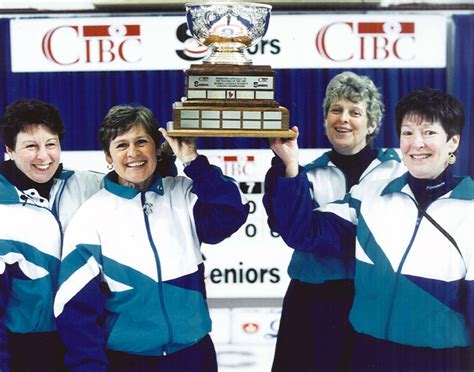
pixel 292 41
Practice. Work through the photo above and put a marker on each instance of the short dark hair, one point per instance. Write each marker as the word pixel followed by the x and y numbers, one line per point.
pixel 120 119
pixel 432 105
pixel 25 113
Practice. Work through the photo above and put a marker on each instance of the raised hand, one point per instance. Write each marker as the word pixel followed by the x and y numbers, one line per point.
pixel 183 147
pixel 287 150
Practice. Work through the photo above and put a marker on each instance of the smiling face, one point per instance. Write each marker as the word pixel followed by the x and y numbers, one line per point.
pixel 37 153
pixel 133 155
pixel 425 147
pixel 347 126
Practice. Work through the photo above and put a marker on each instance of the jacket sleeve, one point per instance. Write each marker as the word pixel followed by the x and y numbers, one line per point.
pixel 470 300
pixel 470 317
pixel 220 209
pixel 290 212
pixel 4 293
pixel 80 300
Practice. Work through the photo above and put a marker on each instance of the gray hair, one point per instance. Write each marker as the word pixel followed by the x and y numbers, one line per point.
pixel 356 88
pixel 120 119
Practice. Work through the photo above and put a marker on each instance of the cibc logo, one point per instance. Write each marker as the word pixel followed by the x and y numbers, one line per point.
pixel 239 166
pixel 68 45
pixel 345 41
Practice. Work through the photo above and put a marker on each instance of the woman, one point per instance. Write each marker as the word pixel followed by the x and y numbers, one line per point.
pixel 37 199
pixel 132 292
pixel 414 269
pixel 315 334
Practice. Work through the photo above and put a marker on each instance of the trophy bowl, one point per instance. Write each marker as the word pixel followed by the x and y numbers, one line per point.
pixel 227 28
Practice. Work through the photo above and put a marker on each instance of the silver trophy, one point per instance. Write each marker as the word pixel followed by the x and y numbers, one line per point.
pixel 226 95
pixel 227 28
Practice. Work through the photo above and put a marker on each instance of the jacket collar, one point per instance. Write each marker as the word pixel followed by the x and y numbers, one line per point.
pixel 464 190
pixel 323 161
pixel 127 192
pixel 9 194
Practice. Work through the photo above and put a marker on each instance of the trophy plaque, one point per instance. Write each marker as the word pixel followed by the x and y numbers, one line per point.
pixel 226 95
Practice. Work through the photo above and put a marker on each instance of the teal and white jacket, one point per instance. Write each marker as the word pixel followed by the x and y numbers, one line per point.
pixel 31 229
pixel 412 286
pixel 132 274
pixel 328 184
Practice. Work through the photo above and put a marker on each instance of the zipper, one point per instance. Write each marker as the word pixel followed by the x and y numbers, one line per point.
pixel 57 196
pixel 55 210
pixel 399 270
pixel 146 207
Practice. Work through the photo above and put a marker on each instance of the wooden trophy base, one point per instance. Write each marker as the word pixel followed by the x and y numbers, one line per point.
pixel 228 133
pixel 229 101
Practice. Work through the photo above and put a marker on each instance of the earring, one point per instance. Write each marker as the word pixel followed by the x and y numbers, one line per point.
pixel 110 166
pixel 451 158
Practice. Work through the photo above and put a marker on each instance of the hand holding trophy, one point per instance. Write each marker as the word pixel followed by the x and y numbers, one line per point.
pixel 227 96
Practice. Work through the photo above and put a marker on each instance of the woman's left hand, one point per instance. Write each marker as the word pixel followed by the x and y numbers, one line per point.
pixel 183 147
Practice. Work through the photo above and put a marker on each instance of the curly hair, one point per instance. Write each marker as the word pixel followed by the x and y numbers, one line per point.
pixel 24 113
pixel 356 88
